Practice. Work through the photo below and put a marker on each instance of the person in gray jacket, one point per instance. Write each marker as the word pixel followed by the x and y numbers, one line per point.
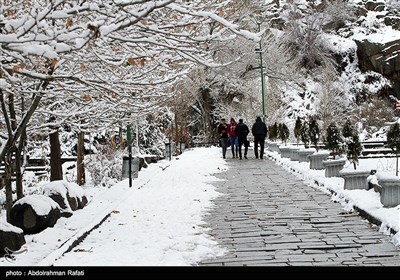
pixel 259 131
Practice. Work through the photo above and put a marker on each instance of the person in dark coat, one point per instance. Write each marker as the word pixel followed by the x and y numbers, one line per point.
pixel 259 131
pixel 242 131
pixel 224 137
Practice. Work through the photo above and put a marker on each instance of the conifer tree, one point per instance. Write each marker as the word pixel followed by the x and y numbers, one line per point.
pixel 297 130
pixel 270 136
pixel 305 134
pixel 334 140
pixel 352 139
pixel 283 132
pixel 393 142
pixel 314 132
pixel 347 129
pixel 274 132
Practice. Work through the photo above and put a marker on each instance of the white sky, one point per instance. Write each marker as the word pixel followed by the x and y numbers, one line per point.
pixel 159 221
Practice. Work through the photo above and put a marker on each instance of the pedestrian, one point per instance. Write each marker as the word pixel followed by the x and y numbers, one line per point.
pixel 224 137
pixel 259 131
pixel 233 138
pixel 242 131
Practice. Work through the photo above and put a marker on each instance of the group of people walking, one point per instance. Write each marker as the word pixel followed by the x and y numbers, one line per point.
pixel 235 135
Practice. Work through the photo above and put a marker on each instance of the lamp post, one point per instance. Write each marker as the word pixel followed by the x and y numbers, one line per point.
pixel 129 141
pixel 259 50
pixel 262 82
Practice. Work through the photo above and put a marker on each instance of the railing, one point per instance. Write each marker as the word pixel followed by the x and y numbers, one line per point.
pixel 376 149
pixel 371 149
pixel 40 166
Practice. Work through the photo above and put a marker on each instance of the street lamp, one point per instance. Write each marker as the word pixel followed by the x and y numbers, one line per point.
pixel 258 50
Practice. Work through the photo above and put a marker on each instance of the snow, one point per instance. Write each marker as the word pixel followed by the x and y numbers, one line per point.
pixel 55 187
pixel 383 38
pixel 6 227
pixel 3 84
pixel 75 190
pixel 160 220
pixel 387 176
pixel 63 187
pixel 41 204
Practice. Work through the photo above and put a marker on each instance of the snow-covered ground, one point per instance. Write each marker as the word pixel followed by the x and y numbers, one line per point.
pixel 160 220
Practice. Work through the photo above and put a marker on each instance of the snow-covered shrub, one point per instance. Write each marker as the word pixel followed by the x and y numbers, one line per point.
pixel 375 112
pixel 314 132
pixel 334 140
pixel 105 167
pixel 393 137
pixel 352 140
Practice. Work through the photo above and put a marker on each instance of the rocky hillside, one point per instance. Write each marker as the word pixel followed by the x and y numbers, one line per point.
pixel 363 37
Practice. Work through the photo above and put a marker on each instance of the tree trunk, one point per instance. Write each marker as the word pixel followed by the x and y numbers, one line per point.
pixel 18 170
pixel 176 127
pixel 208 128
pixel 7 180
pixel 80 180
pixel 55 156
pixel 19 160
pixel 13 137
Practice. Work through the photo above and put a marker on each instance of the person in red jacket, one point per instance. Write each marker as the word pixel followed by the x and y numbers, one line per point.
pixel 234 139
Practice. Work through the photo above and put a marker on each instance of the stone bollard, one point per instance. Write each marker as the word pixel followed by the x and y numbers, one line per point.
pixel 390 189
pixel 355 179
pixel 303 154
pixel 285 151
pixel 294 153
pixel 316 160
pixel 332 167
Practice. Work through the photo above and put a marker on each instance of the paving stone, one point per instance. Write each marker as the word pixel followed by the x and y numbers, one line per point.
pixel 300 263
pixel 257 255
pixel 323 257
pixel 301 258
pixel 272 218
pixel 327 264
pixel 287 246
pixel 239 246
pixel 218 264
pixel 367 241
pixel 265 263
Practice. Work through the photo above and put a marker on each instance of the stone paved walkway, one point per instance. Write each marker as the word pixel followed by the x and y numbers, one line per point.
pixel 268 217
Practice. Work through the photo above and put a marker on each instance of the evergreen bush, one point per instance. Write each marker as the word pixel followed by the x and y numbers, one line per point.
pixel 334 140
pixel 352 140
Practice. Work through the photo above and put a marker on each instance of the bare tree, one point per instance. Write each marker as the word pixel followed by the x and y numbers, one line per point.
pixel 48 47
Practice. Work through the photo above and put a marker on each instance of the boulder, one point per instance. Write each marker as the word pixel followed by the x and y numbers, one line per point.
pixel 374 6
pixel 69 196
pixel 34 213
pixel 393 21
pixel 11 238
pixel 76 193
pixel 379 55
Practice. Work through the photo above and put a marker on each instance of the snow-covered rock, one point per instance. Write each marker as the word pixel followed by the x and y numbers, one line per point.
pixel 11 238
pixel 34 213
